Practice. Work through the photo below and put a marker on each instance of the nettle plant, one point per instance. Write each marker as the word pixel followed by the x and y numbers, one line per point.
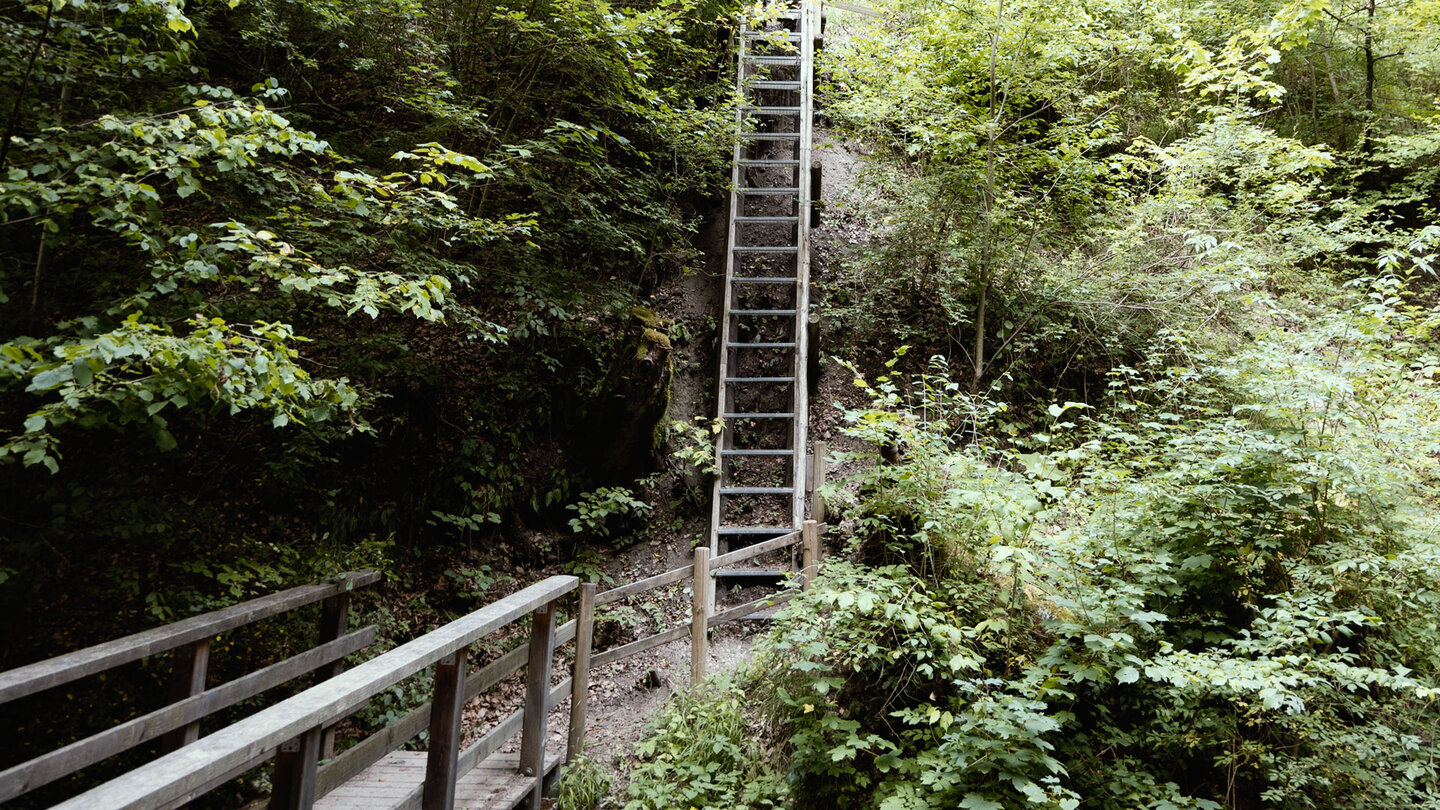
pixel 1215 589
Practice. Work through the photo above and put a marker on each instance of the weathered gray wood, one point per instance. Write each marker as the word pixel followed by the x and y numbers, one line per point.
pixel 334 621
pixel 741 555
pixel 294 780
pixel 580 674
pixel 47 768
pixel 741 611
pixel 187 679
pixel 640 586
pixel 812 356
pixel 537 697
pixel 636 647
pixel 61 669
pixel 445 708
pixel 177 773
pixel 374 748
pixel 820 466
pixel 810 553
pixel 699 613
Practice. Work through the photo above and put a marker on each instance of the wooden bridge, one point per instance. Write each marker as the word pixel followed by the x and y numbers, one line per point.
pixel 764 491
pixel 296 735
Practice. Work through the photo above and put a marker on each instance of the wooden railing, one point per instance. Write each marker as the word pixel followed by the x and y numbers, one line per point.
pixel 703 616
pixel 290 731
pixel 190 700
pixel 294 732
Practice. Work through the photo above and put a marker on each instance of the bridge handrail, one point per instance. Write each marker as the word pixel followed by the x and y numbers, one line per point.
pixel 62 669
pixel 180 773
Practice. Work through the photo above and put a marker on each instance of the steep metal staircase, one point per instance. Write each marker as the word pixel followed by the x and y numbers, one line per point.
pixel 760 490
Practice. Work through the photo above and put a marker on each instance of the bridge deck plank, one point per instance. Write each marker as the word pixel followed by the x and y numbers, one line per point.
pixel 395 782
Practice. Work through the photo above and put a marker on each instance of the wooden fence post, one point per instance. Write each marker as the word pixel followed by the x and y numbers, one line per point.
pixel 580 685
pixel 818 470
pixel 187 680
pixel 294 780
pixel 537 693
pixel 701 591
pixel 334 622
pixel 810 552
pixel 445 706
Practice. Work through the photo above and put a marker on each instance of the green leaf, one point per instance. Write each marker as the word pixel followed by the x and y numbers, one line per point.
pixel 974 801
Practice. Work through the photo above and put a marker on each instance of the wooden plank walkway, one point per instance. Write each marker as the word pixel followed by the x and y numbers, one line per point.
pixel 396 782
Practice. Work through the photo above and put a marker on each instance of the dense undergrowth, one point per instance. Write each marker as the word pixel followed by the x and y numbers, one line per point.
pixel 1155 521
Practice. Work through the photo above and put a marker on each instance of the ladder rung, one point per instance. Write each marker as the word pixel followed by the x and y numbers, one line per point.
pixel 773 60
pixel 768 110
pixel 767 219
pixel 766 280
pixel 757 416
pixel 771 136
pixel 768 190
pixel 762 312
pixel 788 380
pixel 757 162
pixel 770 84
pixel 770 35
pixel 775 530
pixel 757 452
pixel 765 249
pixel 743 345
pixel 757 490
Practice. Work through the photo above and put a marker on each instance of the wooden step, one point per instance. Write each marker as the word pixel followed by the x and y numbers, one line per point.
pixel 769 84
pixel 772 60
pixel 776 162
pixel 766 280
pixel 777 35
pixel 770 110
pixel 757 452
pixel 757 490
pixel 766 249
pixel 770 136
pixel 772 531
pixel 767 190
pixel 786 380
pixel 757 416
pixel 782 220
pixel 738 345
pixel 749 578
pixel 762 312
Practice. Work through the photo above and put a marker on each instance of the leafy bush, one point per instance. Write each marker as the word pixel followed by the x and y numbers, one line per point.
pixel 702 752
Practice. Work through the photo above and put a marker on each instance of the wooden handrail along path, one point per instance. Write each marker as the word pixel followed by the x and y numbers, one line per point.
pixel 190 700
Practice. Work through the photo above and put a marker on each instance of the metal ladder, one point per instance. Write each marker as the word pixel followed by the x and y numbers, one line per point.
pixel 760 487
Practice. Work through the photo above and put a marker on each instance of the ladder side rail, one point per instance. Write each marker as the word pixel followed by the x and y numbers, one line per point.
pixel 809 22
pixel 723 438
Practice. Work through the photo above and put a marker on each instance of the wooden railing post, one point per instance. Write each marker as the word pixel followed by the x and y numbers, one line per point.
pixel 818 469
pixel 701 596
pixel 294 780
pixel 810 552
pixel 187 680
pixel 334 622
pixel 580 683
pixel 537 690
pixel 444 754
